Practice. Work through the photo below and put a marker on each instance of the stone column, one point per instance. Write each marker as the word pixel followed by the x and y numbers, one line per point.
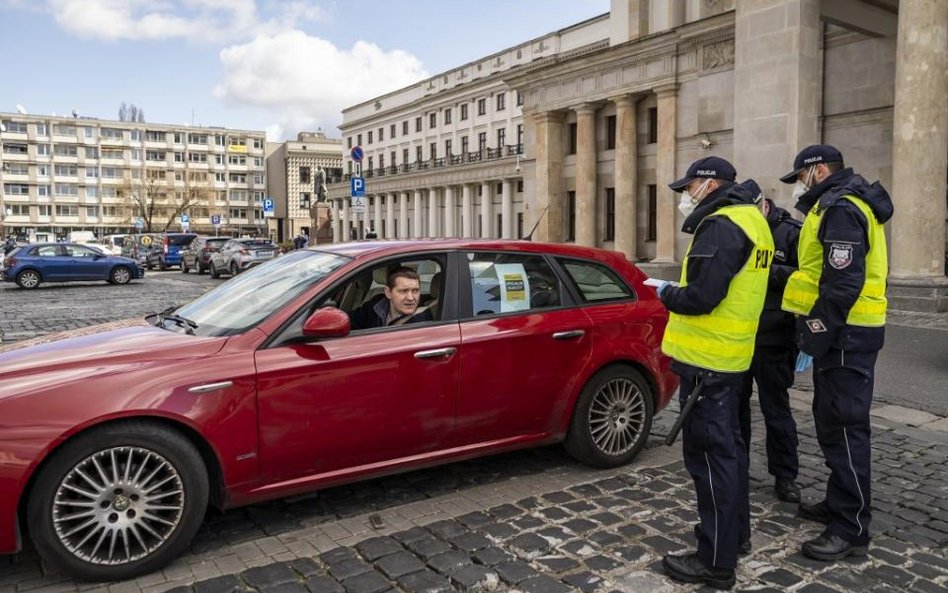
pixel 417 205
pixel 586 175
pixel 920 157
pixel 433 230
pixel 467 211
pixel 486 211
pixel 346 220
pixel 626 182
pixel 778 82
pixel 665 173
pixel 506 210
pixel 377 214
pixel 449 211
pixel 549 199
pixel 403 215
pixel 390 216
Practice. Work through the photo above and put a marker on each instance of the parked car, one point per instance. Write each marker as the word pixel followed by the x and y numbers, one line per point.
pixel 238 255
pixel 168 251
pixel 197 255
pixel 139 245
pixel 113 243
pixel 260 389
pixel 34 264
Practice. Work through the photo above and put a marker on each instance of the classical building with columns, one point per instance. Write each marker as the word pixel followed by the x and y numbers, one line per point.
pixel 597 118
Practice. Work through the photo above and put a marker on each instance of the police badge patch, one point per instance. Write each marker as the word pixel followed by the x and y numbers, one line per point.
pixel 816 326
pixel 840 255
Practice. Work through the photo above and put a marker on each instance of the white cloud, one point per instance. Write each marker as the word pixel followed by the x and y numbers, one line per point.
pixel 308 80
pixel 201 21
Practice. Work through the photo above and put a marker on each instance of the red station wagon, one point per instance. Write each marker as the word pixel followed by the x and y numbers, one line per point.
pixel 114 439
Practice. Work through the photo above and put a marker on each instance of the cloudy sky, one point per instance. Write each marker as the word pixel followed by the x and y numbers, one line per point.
pixel 275 65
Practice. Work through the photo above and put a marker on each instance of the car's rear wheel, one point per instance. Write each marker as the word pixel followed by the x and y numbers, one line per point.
pixel 214 271
pixel 162 266
pixel 201 268
pixel 612 418
pixel 234 268
pixel 29 279
pixel 118 501
pixel 120 275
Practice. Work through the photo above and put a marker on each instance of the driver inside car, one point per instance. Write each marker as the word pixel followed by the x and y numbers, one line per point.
pixel 396 305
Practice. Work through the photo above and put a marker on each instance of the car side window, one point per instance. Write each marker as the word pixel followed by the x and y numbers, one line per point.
pixel 79 251
pixel 46 251
pixel 509 282
pixel 596 282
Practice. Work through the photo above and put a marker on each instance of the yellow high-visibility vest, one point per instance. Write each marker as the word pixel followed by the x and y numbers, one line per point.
pixel 723 340
pixel 803 286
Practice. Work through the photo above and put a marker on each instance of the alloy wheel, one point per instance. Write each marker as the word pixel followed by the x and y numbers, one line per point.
pixel 617 416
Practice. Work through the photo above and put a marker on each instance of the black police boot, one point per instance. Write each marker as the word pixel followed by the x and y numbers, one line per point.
pixel 787 490
pixel 814 511
pixel 689 569
pixel 743 548
pixel 832 547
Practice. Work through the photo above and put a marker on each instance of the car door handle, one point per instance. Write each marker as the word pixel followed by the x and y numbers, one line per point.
pixel 207 387
pixel 569 335
pixel 437 353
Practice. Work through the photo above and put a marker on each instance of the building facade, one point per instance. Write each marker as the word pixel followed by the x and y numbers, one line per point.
pixel 64 174
pixel 607 112
pixel 292 175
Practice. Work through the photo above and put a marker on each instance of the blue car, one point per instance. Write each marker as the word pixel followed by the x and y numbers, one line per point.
pixel 31 265
pixel 168 251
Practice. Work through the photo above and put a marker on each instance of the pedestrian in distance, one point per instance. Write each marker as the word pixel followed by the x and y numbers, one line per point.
pixel 712 324
pixel 838 294
pixel 371 234
pixel 9 245
pixel 775 353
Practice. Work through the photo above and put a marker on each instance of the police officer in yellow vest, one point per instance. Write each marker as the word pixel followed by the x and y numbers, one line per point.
pixel 710 336
pixel 838 293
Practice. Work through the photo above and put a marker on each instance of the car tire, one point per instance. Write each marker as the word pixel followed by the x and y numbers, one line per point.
pixel 184 267
pixel 612 418
pixel 29 279
pixel 148 265
pixel 136 458
pixel 214 272
pixel 120 275
pixel 162 266
pixel 201 269
pixel 234 268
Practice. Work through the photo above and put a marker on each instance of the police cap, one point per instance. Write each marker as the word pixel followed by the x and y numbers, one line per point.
pixel 812 155
pixel 710 167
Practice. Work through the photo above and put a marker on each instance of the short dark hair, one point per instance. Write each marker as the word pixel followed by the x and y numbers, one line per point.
pixel 401 272
pixel 835 166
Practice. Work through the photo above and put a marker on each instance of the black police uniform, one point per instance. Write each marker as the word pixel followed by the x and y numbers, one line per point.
pixel 775 355
pixel 844 356
pixel 712 445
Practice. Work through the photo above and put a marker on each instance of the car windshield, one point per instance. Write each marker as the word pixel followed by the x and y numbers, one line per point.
pixel 247 299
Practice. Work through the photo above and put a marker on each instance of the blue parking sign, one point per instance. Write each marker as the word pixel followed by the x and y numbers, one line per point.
pixel 185 219
pixel 357 187
pixel 216 219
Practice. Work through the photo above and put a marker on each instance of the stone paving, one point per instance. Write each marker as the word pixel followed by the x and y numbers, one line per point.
pixel 536 521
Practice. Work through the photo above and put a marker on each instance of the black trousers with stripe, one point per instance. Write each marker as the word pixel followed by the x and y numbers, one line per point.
pixel 715 457
pixel 843 383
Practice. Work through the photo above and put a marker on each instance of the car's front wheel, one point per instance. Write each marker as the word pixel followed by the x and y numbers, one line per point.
pixel 120 275
pixel 612 418
pixel 118 501
pixel 234 268
pixel 215 273
pixel 29 279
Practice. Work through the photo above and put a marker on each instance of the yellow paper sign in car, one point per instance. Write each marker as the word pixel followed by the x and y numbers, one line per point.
pixel 514 287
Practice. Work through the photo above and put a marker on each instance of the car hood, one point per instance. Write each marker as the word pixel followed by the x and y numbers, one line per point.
pixel 111 347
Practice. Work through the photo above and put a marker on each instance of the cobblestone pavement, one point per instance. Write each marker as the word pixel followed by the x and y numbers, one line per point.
pixel 535 521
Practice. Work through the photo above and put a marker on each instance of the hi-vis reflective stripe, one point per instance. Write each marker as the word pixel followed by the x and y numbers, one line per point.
pixel 802 290
pixel 712 346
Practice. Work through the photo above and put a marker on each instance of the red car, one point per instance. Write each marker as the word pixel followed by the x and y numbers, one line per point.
pixel 115 439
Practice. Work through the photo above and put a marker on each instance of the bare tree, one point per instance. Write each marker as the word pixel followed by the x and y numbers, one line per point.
pixel 123 112
pixel 158 200
pixel 131 112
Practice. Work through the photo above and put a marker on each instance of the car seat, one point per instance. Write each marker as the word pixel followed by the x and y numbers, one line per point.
pixel 435 288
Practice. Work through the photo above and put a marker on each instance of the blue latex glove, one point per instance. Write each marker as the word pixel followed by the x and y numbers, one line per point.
pixel 804 362
pixel 661 287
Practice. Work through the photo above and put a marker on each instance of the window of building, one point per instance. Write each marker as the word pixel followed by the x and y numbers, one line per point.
pixel 66 170
pixel 651 231
pixel 381 134
pixel 481 140
pixel 42 130
pixel 197 157
pixel 15 127
pixel 447 148
pixel 349 142
pixel 501 137
pixel 369 139
pixel 465 148
pixel 432 120
pixel 306 175
pixel 381 161
pixel 611 132
pixel 404 157
pixel 610 214
pixel 520 186
pixel 45 210
pixel 92 172
pixel 447 116
pixel 359 140
pixel 519 137
pixel 519 98
pixel 405 128
pixel 155 136
pixel 391 157
pixel 67 210
pixel 418 155
pixel 571 138
pixel 481 106
pixel 92 211
pixel 64 150
pixel 519 225
pixel 19 209
pixel 370 165
pixel 16 189
pixel 570 216
pixel 179 157
pixel 463 111
pixel 258 142
pixel 501 101
pixel 652 125
pixel 433 150
pixel 418 124
pixel 64 130
pixel 41 149
pixel 391 131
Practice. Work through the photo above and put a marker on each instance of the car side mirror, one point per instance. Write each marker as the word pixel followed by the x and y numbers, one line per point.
pixel 328 322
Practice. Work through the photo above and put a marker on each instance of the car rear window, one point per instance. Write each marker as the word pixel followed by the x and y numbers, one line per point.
pixel 258 243
pixel 217 242
pixel 180 239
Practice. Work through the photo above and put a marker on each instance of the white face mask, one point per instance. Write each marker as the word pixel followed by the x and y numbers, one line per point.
pixel 802 187
pixel 688 202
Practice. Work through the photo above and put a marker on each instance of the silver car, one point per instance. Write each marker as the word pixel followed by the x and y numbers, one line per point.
pixel 238 255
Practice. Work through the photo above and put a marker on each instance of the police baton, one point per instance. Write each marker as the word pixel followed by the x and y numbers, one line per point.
pixel 689 403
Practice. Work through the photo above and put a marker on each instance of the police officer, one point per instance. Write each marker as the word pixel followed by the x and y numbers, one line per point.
pixel 775 353
pixel 710 337
pixel 839 295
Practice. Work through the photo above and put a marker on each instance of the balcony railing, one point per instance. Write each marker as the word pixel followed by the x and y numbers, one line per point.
pixel 485 154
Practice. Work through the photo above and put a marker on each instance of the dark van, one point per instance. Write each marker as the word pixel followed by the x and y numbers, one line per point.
pixel 168 252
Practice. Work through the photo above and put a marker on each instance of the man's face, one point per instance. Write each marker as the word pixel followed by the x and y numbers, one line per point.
pixel 404 295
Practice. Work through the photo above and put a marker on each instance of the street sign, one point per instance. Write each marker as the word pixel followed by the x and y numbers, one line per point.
pixel 357 154
pixel 357 187
pixel 139 223
pixel 269 209
pixel 358 205
pixel 185 219
pixel 216 219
